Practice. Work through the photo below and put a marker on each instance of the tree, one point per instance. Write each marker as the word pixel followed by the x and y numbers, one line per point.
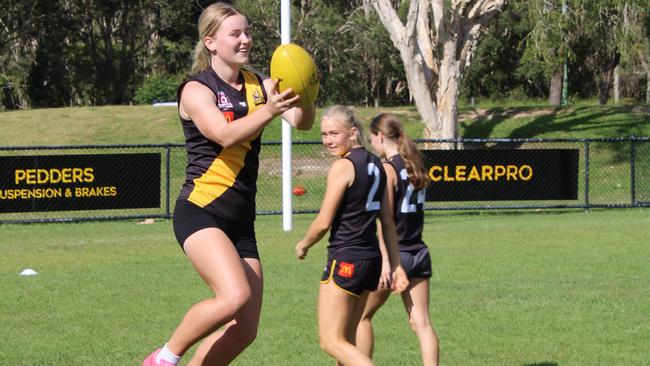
pixel 17 51
pixel 644 53
pixel 436 46
pixel 47 84
pixel 497 71
pixel 608 28
pixel 552 40
pixel 348 44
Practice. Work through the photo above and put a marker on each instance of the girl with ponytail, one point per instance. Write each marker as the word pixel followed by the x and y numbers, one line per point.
pixel 407 180
pixel 354 202
pixel 223 110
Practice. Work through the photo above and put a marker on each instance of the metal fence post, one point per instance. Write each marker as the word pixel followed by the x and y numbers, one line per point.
pixel 587 174
pixel 633 171
pixel 167 181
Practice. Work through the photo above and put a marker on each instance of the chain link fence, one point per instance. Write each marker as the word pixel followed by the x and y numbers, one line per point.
pixel 611 173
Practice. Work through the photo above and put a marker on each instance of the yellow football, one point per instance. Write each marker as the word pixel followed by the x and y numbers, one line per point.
pixel 295 69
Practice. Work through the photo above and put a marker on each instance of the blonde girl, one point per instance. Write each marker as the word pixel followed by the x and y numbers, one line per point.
pixel 223 109
pixel 354 198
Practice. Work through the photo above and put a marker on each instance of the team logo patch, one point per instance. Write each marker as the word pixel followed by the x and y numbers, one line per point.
pixel 223 102
pixel 230 116
pixel 346 269
pixel 258 98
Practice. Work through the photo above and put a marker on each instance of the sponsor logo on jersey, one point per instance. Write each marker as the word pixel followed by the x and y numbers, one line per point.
pixel 346 269
pixel 223 102
pixel 258 98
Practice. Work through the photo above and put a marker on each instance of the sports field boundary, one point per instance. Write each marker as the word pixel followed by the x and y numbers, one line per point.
pixel 612 173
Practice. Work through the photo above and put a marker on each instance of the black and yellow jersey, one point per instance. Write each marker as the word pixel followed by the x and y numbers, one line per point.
pixel 409 208
pixel 223 181
pixel 354 229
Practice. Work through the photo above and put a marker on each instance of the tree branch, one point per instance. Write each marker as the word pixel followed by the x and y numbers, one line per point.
pixel 471 21
pixel 391 21
pixel 425 45
pixel 438 10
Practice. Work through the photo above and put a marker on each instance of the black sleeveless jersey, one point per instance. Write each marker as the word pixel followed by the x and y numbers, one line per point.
pixel 223 181
pixel 354 230
pixel 409 208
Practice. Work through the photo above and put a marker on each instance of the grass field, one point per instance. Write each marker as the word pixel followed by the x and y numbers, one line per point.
pixel 539 288
pixel 144 124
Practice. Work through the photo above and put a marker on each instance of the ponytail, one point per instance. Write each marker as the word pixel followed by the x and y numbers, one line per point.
pixel 390 126
pixel 414 162
pixel 200 58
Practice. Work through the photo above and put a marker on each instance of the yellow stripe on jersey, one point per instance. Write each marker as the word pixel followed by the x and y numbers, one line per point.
pixel 223 171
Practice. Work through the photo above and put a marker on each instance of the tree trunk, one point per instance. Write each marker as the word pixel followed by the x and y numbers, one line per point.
pixel 646 67
pixel 555 89
pixel 617 85
pixel 647 87
pixel 432 26
pixel 423 98
pixel 603 93
pixel 447 94
pixel 607 79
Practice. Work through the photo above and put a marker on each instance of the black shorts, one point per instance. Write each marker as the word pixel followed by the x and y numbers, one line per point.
pixel 189 218
pixel 416 263
pixel 353 276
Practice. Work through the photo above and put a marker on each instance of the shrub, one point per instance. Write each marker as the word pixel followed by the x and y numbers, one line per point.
pixel 157 88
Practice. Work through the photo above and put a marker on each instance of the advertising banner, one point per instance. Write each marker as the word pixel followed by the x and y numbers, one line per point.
pixel 79 182
pixel 502 175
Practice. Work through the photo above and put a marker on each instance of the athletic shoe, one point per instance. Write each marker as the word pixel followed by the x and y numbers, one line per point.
pixel 151 360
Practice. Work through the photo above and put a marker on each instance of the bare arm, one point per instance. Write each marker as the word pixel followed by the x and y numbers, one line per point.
pixel 386 269
pixel 198 104
pixel 399 281
pixel 339 179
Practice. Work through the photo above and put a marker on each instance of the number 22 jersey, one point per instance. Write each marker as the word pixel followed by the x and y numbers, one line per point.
pixel 354 230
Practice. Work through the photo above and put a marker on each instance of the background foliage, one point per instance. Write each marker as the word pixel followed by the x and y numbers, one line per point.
pixel 101 52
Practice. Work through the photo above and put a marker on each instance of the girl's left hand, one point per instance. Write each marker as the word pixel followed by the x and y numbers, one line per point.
pixel 385 277
pixel 400 280
pixel 278 103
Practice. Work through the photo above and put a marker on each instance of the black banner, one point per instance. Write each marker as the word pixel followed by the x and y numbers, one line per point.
pixel 79 182
pixel 502 175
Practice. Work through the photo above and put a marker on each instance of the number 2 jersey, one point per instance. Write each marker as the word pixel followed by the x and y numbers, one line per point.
pixel 408 207
pixel 223 181
pixel 354 230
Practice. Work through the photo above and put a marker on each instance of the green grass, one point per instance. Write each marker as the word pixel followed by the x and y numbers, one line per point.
pixel 583 120
pixel 141 124
pixel 565 288
pixel 533 288
pixel 145 124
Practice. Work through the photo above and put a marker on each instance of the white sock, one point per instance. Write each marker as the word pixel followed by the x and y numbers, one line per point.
pixel 167 355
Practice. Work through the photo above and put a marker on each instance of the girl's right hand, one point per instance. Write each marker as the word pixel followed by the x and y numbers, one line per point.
pixel 279 103
pixel 400 280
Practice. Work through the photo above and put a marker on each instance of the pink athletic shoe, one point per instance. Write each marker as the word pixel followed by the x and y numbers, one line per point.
pixel 151 360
